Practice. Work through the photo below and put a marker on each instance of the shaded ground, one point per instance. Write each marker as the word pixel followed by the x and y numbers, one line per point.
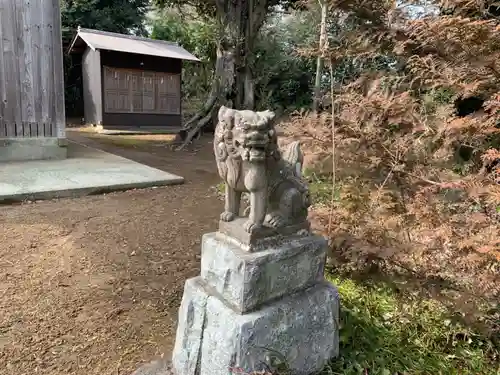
pixel 92 285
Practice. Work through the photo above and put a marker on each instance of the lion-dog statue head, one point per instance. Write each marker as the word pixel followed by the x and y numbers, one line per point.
pixel 243 136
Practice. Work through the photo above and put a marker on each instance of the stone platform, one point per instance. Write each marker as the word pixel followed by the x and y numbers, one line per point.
pixel 85 171
pixel 36 148
pixel 248 310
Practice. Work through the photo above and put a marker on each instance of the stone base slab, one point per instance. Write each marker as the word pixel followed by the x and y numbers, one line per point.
pixel 23 149
pixel 264 237
pixel 299 331
pixel 248 280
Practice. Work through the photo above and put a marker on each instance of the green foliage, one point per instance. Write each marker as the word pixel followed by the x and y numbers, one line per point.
pixel 207 8
pixel 191 32
pixel 321 187
pixel 196 35
pixel 204 8
pixel 121 16
pixel 348 68
pixel 220 187
pixel 434 98
pixel 385 333
pixel 282 77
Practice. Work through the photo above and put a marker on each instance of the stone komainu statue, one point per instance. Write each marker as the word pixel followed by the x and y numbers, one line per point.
pixel 249 161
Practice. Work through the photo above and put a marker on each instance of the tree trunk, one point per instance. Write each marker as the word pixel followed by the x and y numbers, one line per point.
pixel 320 63
pixel 232 83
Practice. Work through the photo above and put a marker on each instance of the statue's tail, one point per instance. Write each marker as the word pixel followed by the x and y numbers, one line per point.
pixel 293 155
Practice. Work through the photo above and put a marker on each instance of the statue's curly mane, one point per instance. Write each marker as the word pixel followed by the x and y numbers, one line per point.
pixel 227 158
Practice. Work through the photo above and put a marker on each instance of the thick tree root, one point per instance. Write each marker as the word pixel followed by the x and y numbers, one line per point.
pixel 194 127
pixel 195 131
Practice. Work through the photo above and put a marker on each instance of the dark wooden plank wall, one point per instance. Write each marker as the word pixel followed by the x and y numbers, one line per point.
pixel 31 69
pixel 146 64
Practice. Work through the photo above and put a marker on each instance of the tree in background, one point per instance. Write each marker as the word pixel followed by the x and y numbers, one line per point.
pixel 198 36
pixel 119 16
pixel 238 24
pixel 323 40
pixel 282 78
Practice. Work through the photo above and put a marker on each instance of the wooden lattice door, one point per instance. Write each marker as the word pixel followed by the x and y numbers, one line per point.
pixel 135 91
pixel 169 100
pixel 135 88
pixel 117 90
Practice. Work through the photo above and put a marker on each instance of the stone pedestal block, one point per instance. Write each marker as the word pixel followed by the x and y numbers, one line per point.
pixel 247 280
pixel 248 307
pixel 299 331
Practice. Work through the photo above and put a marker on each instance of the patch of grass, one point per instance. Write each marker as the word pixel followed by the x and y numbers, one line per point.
pixel 220 187
pixel 133 141
pixel 321 191
pixel 385 333
pixel 82 129
pixel 436 97
pixel 320 188
pixel 122 142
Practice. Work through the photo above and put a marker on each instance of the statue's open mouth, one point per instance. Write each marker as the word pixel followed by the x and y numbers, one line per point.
pixel 257 154
pixel 256 145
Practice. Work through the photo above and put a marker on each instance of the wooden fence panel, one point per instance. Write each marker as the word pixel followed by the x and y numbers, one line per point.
pixel 31 69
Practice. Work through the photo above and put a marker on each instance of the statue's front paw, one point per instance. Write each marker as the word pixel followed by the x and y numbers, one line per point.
pixel 275 220
pixel 227 216
pixel 250 226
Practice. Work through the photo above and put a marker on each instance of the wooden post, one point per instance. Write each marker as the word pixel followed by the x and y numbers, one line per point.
pixel 60 117
pixel 32 117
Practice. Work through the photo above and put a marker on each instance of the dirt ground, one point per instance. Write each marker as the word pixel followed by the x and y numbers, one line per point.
pixel 92 285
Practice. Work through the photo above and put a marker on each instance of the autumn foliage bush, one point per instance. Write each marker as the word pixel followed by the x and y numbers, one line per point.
pixel 416 177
